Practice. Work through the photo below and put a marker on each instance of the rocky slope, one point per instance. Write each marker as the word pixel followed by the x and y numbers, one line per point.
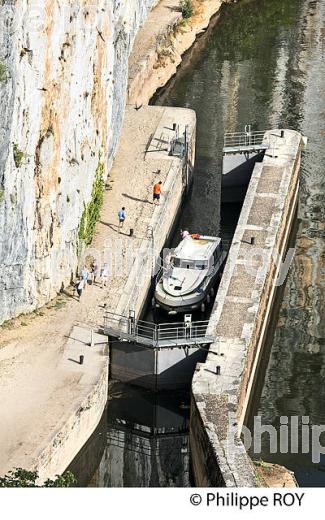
pixel 63 82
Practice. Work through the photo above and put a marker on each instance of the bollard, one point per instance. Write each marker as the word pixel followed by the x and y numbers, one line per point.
pixel 282 133
pixel 131 232
pixel 81 360
pixel 174 126
pixel 91 344
pixel 252 241
pixel 218 370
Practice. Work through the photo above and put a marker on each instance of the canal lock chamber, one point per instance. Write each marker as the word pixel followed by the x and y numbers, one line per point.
pixel 245 68
pixel 143 437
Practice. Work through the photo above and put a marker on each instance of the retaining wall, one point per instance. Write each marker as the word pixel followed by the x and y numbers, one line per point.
pixel 240 317
pixel 75 428
pixel 159 47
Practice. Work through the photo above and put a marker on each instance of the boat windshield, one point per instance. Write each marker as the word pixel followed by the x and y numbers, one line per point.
pixel 198 265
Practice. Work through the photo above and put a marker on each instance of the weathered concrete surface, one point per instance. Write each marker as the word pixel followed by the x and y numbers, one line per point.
pixel 274 476
pixel 81 417
pixel 159 46
pixel 240 317
pixel 48 403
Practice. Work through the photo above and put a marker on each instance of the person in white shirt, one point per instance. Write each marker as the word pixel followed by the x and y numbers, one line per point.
pixel 185 233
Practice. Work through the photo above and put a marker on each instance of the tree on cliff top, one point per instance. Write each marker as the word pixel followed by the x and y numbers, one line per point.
pixel 24 478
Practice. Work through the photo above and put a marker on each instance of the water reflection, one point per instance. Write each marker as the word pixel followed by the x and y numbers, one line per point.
pixel 295 382
pixel 142 441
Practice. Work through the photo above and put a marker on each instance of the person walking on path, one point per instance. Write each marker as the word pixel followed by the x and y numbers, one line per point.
pixel 85 275
pixel 157 193
pixel 104 275
pixel 80 285
pixel 121 218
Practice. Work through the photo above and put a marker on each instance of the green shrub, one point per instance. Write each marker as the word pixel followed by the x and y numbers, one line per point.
pixel 3 72
pixel 23 478
pixel 18 155
pixel 91 213
pixel 186 8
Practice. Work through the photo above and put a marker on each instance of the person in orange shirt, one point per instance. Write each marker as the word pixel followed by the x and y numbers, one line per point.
pixel 157 193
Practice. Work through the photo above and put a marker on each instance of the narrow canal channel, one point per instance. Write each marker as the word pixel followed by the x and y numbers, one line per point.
pixel 262 62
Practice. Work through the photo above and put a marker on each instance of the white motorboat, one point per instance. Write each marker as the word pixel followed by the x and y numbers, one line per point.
pixel 187 280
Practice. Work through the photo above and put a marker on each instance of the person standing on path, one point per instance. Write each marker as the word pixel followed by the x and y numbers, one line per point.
pixel 121 218
pixel 94 271
pixel 85 275
pixel 185 233
pixel 157 193
pixel 80 285
pixel 104 275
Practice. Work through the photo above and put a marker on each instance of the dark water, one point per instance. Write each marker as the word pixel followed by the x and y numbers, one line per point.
pixel 264 63
pixel 142 441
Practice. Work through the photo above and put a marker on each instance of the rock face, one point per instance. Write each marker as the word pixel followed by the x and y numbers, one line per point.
pixel 63 82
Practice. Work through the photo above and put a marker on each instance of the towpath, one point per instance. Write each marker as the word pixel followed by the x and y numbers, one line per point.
pixel 41 385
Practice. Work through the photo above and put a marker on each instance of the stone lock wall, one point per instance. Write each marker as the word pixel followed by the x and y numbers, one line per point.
pixel 240 318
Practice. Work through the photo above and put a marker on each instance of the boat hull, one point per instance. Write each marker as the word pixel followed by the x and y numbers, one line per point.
pixel 192 301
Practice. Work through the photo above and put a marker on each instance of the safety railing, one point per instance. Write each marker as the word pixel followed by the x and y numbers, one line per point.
pixel 247 139
pixel 181 330
pixel 152 333
pixel 117 322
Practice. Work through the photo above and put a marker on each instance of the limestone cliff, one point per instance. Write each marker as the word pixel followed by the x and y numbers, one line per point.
pixel 63 81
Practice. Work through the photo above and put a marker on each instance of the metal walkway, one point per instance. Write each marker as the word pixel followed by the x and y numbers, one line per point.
pixel 162 335
pixel 245 142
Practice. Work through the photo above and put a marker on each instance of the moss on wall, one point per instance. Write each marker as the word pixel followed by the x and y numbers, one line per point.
pixel 18 155
pixel 3 72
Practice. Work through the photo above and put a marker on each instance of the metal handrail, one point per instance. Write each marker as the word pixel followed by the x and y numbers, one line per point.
pixel 247 138
pixel 155 332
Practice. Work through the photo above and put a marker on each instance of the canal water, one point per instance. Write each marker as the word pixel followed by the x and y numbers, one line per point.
pixel 261 62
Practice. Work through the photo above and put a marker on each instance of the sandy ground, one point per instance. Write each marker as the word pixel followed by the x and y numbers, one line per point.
pixel 159 21
pixel 158 48
pixel 37 386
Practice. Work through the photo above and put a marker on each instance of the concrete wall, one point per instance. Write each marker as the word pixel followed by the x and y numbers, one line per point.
pixel 156 369
pixel 240 316
pixel 74 431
